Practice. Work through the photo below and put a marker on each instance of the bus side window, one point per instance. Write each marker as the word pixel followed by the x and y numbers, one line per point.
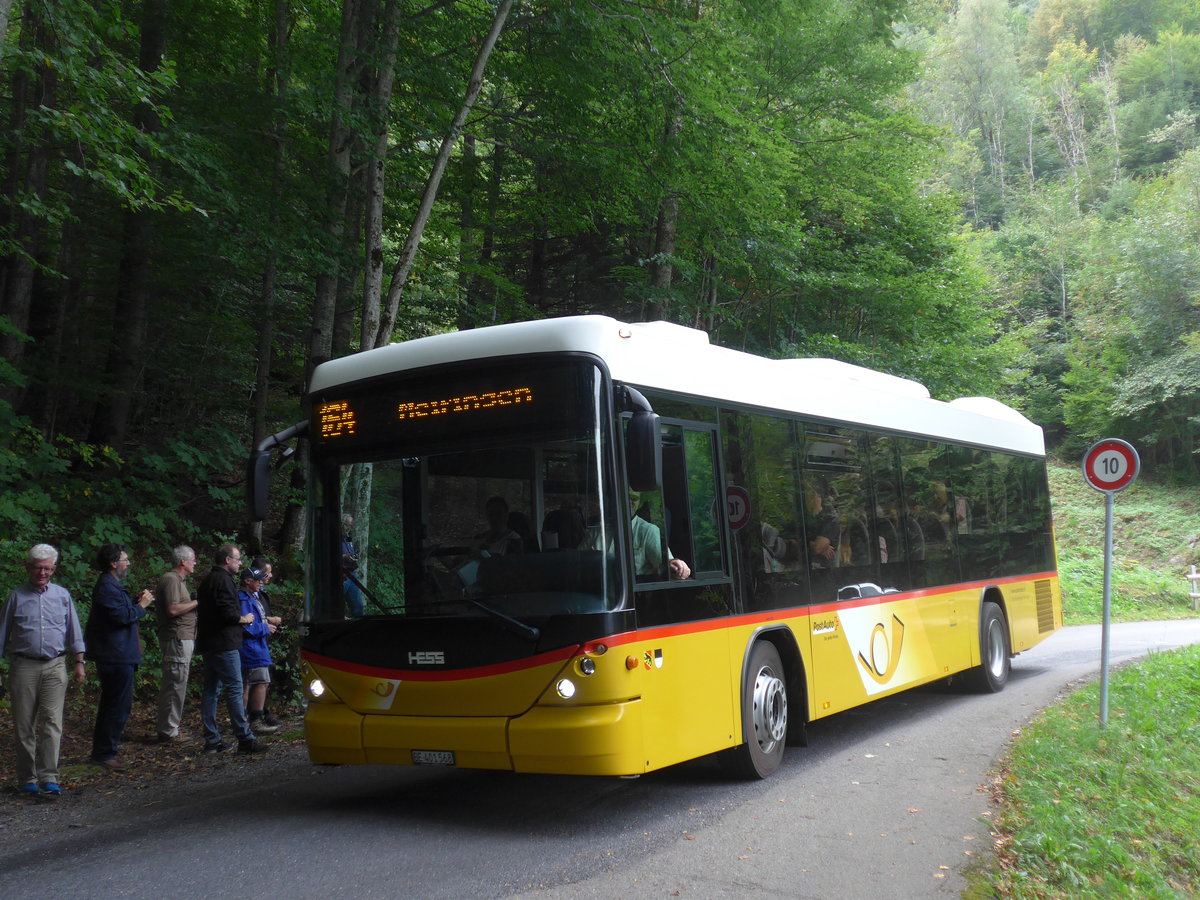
pixel 703 504
pixel 930 508
pixel 896 530
pixel 691 514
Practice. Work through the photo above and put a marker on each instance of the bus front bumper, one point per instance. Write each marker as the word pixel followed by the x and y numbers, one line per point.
pixel 567 740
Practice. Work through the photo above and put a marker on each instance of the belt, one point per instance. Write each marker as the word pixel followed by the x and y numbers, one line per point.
pixel 41 658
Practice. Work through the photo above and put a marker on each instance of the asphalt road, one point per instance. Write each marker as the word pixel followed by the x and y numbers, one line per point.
pixel 887 801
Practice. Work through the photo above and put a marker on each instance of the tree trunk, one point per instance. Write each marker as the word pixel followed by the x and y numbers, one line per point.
pixel 341 140
pixel 27 172
pixel 409 253
pixel 266 298
pixel 662 270
pixel 5 11
pixel 125 357
pixel 479 285
pixel 381 98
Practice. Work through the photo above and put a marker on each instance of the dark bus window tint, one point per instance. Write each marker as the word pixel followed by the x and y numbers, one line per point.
pixel 699 455
pixel 775 497
pixel 1027 498
pixel 763 482
pixel 926 467
pixel 896 530
pixel 840 530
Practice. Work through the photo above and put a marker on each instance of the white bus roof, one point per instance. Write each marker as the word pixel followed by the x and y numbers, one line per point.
pixel 674 358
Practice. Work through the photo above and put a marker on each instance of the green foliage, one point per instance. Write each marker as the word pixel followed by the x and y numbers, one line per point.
pixel 1112 812
pixel 77 496
pixel 1072 136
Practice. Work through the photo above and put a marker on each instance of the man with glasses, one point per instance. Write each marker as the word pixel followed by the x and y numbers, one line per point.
pixel 115 646
pixel 40 626
pixel 219 638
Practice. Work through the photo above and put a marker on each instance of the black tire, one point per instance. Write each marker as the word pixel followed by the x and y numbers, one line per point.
pixel 994 653
pixel 764 716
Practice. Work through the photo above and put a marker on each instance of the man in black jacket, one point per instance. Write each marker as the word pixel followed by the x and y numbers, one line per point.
pixel 219 637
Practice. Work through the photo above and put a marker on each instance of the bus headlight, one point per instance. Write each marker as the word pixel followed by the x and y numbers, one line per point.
pixel 316 688
pixel 565 688
pixel 587 666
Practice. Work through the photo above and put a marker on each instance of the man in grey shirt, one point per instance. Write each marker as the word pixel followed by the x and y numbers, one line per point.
pixel 38 628
pixel 177 639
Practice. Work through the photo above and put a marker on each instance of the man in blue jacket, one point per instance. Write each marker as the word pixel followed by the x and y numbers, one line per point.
pixel 219 637
pixel 255 654
pixel 114 645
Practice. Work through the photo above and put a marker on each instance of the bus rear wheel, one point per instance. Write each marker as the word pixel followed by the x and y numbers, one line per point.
pixel 995 660
pixel 764 716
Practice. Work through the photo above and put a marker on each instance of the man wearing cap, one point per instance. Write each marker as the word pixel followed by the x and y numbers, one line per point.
pixel 219 632
pixel 256 656
pixel 39 626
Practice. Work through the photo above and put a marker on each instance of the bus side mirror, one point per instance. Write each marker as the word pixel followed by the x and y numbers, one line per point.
pixel 258 468
pixel 258 473
pixel 643 452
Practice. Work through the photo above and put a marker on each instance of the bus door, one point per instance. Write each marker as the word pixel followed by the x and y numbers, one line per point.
pixel 688 689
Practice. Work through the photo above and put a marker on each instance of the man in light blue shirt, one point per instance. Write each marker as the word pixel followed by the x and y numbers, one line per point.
pixel 39 626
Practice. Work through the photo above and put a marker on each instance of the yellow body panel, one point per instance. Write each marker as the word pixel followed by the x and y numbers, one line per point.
pixel 665 695
pixel 582 740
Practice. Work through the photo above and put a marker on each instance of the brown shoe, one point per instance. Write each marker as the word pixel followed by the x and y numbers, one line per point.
pixel 113 765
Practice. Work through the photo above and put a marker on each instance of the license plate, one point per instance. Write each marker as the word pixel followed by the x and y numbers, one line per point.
pixel 433 757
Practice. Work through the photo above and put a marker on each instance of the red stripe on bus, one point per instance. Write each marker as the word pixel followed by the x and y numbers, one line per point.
pixel 653 634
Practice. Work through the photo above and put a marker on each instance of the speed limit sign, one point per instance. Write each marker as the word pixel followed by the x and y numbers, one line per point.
pixel 1111 465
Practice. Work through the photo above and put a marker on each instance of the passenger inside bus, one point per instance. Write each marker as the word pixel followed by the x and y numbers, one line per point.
pixel 563 529
pixel 822 528
pixel 500 539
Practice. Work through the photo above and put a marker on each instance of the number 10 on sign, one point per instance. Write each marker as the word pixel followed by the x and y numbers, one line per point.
pixel 1111 465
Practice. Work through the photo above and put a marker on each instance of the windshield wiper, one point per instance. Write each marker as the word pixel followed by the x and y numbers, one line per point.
pixel 385 607
pixel 515 625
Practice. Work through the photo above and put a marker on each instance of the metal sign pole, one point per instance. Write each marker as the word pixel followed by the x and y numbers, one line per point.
pixel 1105 626
pixel 1109 466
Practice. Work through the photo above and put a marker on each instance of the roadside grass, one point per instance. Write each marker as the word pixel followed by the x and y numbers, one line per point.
pixel 1108 812
pixel 1156 536
pixel 1114 812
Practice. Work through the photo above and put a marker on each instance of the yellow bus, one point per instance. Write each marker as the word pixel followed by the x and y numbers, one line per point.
pixel 582 546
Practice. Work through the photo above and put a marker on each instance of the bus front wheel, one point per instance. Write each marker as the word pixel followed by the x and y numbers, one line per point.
pixel 764 716
pixel 995 660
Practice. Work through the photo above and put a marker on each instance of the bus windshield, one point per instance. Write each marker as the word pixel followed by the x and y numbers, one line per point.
pixel 477 507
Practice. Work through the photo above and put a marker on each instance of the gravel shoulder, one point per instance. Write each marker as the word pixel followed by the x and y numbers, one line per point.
pixel 155 773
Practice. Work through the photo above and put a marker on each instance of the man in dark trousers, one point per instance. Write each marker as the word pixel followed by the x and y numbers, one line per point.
pixel 114 645
pixel 219 638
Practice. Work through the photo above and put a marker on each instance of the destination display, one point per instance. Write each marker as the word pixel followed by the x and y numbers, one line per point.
pixel 456 404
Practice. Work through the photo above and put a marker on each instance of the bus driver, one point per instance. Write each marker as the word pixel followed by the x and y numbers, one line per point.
pixel 647 545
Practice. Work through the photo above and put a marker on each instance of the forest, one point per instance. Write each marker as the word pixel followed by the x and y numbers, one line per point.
pixel 203 199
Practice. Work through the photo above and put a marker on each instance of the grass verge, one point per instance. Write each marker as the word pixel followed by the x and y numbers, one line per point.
pixel 1155 539
pixel 1112 812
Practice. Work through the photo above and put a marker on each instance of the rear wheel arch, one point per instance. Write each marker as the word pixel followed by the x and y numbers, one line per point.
pixel 773 704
